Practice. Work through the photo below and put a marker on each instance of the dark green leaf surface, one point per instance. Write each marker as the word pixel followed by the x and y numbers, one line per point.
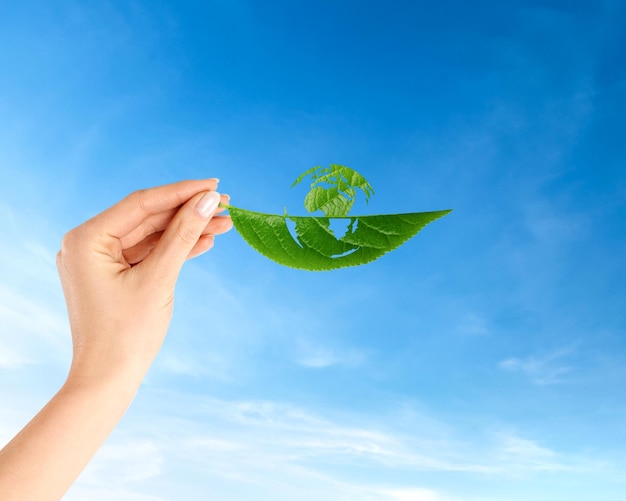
pixel 316 247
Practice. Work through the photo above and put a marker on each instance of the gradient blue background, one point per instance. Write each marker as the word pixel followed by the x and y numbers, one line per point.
pixel 483 360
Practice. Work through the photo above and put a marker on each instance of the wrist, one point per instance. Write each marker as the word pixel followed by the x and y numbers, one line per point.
pixel 122 380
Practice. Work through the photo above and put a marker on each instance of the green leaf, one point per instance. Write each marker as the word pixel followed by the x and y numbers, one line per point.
pixel 330 201
pixel 316 247
pixel 333 190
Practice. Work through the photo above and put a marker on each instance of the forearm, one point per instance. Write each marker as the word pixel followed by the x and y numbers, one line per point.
pixel 118 272
pixel 45 458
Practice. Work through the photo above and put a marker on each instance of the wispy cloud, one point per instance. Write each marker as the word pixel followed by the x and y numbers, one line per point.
pixel 23 316
pixel 528 455
pixel 126 462
pixel 413 494
pixel 33 320
pixel 316 356
pixel 546 369
pixel 256 445
pixel 10 358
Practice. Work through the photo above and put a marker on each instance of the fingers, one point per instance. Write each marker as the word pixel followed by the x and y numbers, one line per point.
pixel 204 244
pixel 181 236
pixel 217 226
pixel 158 222
pixel 128 214
pixel 139 252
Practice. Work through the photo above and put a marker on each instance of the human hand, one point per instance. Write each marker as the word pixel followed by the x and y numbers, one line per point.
pixel 119 270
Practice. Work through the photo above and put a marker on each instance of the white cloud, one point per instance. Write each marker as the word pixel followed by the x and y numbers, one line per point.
pixel 117 469
pixel 412 494
pixel 527 455
pixel 176 362
pixel 22 314
pixel 282 451
pixel 319 357
pixel 542 370
pixel 34 322
pixel 10 358
pixel 175 446
pixel 126 461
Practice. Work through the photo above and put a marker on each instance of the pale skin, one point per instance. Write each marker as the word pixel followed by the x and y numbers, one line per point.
pixel 118 271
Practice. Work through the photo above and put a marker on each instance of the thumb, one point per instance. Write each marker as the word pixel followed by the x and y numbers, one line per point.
pixel 182 234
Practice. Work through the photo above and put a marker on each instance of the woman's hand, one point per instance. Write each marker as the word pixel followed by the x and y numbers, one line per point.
pixel 118 272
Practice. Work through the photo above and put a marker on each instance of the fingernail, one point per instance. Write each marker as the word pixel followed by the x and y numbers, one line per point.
pixel 208 203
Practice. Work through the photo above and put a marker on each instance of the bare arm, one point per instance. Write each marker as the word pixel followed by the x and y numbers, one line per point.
pixel 118 272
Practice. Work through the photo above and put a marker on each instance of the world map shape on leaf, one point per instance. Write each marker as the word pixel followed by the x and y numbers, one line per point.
pixel 313 245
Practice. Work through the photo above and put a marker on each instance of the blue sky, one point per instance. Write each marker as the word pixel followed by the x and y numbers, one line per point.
pixel 483 360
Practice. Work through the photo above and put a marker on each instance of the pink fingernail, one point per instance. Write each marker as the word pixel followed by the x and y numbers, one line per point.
pixel 208 203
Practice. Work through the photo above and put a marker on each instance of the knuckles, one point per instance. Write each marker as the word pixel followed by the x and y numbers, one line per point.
pixel 74 240
pixel 69 241
pixel 139 198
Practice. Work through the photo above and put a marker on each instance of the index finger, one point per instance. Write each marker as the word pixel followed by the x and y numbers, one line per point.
pixel 123 217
